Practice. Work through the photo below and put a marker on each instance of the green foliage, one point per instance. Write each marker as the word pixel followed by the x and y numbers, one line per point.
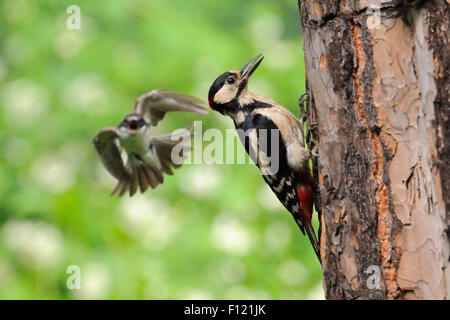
pixel 210 231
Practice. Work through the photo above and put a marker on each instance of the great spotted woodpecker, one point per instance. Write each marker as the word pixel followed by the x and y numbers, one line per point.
pixel 255 115
pixel 149 156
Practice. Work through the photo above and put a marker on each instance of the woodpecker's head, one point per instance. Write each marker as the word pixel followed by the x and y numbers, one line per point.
pixel 133 124
pixel 228 87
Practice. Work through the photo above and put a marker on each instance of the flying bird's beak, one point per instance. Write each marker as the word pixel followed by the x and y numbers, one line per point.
pixel 133 126
pixel 251 66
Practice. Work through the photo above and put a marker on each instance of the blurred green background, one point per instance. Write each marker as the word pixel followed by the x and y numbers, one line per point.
pixel 210 231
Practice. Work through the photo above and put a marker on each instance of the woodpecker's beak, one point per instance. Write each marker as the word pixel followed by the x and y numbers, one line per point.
pixel 251 66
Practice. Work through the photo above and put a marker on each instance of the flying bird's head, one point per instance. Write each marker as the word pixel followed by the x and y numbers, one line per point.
pixel 133 124
pixel 225 91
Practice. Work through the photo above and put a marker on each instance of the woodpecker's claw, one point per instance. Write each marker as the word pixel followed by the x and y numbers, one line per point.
pixel 303 105
pixel 303 98
pixel 314 151
pixel 311 128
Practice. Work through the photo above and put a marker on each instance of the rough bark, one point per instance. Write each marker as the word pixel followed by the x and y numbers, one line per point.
pixel 379 99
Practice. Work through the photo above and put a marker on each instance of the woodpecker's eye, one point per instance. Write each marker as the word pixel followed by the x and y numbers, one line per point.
pixel 231 80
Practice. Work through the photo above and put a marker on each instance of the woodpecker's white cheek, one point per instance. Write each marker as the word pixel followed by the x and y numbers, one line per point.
pixel 226 94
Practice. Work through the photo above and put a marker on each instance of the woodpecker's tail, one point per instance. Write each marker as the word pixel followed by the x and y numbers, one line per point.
pixel 304 216
pixel 313 239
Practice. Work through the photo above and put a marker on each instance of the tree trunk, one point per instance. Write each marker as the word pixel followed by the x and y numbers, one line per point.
pixel 379 111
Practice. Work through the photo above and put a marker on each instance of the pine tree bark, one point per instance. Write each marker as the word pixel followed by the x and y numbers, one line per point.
pixel 379 110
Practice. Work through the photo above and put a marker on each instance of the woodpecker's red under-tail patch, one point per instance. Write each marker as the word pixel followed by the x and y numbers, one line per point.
pixel 305 196
pixel 296 195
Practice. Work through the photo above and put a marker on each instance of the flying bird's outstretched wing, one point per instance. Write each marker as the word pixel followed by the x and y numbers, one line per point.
pixel 136 173
pixel 165 145
pixel 154 104
pixel 108 148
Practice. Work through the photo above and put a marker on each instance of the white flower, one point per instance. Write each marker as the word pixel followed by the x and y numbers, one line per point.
pixel 152 221
pixel 246 293
pixel 157 288
pixel 68 43
pixel 87 93
pixel 196 294
pixel 292 272
pixel 266 29
pixel 231 235
pixel 54 173
pixel 23 102
pixel 201 181
pixel 232 271
pixel 95 282
pixel 317 293
pixel 277 236
pixel 36 243
pixel 268 200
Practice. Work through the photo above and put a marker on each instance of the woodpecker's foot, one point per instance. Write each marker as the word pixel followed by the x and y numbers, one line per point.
pixel 303 105
pixel 314 151
pixel 303 98
pixel 309 138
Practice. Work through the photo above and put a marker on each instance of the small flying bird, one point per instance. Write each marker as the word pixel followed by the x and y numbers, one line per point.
pixel 291 182
pixel 148 156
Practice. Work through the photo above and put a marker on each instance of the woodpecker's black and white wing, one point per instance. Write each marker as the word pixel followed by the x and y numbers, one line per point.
pixel 108 148
pixel 154 104
pixel 289 181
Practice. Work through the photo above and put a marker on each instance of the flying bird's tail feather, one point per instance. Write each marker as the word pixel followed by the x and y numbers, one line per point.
pixel 143 177
pixel 151 176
